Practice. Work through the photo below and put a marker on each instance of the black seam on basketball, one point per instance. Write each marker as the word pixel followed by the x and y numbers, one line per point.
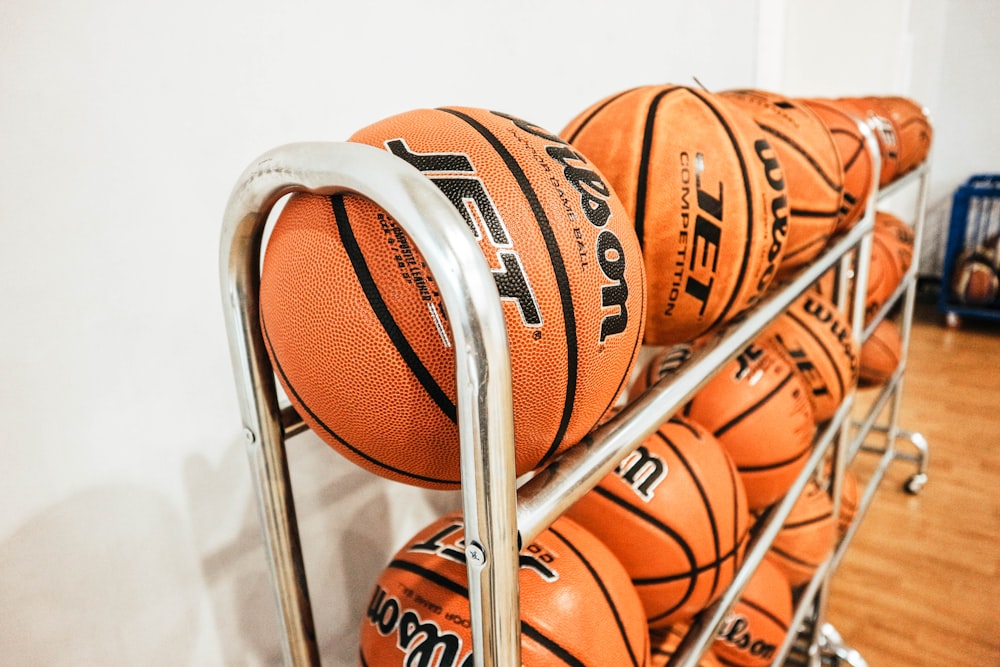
pixel 653 521
pixel 859 149
pixel 808 330
pixel 791 143
pixel 430 575
pixel 622 630
pixel 553 647
pixel 766 613
pixel 808 522
pixel 593 114
pixel 558 268
pixel 289 387
pixel 796 560
pixel 809 213
pixel 776 464
pixel 381 311
pixel 361 657
pixel 691 574
pixel 809 247
pixel 753 407
pixel 752 230
pixel 716 540
pixel 642 173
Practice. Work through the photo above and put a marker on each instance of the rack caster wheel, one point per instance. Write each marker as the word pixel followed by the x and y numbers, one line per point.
pixel 952 320
pixel 834 652
pixel 915 484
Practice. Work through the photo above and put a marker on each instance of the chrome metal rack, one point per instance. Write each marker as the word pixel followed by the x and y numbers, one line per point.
pixel 498 515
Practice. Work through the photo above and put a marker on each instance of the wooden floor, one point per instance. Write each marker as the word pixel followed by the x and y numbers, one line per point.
pixel 920 583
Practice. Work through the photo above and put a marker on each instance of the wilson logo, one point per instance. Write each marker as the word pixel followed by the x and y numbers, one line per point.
pixel 455 175
pixel 779 209
pixel 423 643
pixel 594 196
pixel 643 472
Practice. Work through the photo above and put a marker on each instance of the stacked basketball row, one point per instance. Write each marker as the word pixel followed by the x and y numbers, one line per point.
pixel 660 214
pixel 633 562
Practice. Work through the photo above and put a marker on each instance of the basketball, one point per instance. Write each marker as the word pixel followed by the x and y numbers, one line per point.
pixel 872 113
pixel 884 275
pixel 359 337
pixel 855 159
pixel 758 407
pixel 807 536
pixel 974 282
pixel 880 354
pixel 848 500
pixel 817 337
pixel 663 644
pixel 674 511
pixel 707 195
pixel 899 236
pixel 915 131
pixel 756 627
pixel 664 361
pixel 811 164
pixel 418 613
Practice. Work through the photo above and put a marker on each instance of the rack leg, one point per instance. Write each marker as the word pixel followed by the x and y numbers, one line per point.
pixel 921 457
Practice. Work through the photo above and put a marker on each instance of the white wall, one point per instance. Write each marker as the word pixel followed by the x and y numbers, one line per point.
pixel 129 533
pixel 941 53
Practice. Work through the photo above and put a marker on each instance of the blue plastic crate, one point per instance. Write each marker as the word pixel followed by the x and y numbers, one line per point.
pixel 975 217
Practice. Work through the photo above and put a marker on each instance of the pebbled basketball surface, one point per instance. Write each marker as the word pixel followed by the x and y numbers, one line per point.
pixel 360 337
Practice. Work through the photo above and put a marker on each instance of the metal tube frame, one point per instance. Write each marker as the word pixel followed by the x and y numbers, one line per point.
pixel 482 373
pixel 498 517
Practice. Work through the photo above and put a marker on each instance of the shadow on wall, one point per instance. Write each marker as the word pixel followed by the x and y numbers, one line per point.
pixel 79 590
pixel 350 522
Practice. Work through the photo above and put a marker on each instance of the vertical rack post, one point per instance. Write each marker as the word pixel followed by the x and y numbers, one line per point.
pixel 482 373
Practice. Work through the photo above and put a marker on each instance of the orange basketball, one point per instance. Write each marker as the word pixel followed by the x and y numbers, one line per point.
pixel 885 273
pixel 675 513
pixel 419 610
pixel 874 114
pixel 880 354
pixel 914 127
pixel 707 194
pixel 854 158
pixel 357 331
pixel 756 627
pixel 807 536
pixel 848 501
pixel 663 644
pixel 899 236
pixel 818 339
pixel 758 407
pixel 812 168
pixel 666 361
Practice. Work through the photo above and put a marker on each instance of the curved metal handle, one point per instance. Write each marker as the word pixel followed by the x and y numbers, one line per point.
pixel 482 371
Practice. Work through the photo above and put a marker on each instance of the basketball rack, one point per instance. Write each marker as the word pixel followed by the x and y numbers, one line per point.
pixel 498 515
